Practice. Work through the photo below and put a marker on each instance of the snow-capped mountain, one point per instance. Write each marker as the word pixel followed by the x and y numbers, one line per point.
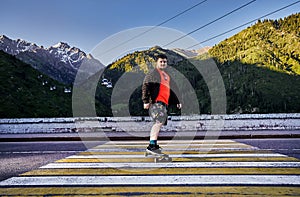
pixel 60 61
pixel 15 47
pixel 67 54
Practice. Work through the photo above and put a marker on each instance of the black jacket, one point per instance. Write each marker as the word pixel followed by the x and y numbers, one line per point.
pixel 151 85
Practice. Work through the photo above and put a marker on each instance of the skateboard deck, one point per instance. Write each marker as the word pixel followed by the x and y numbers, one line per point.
pixel 158 157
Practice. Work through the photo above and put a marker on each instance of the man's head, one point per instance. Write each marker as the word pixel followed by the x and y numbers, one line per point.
pixel 161 61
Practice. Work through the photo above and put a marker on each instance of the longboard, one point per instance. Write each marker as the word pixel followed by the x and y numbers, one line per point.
pixel 159 157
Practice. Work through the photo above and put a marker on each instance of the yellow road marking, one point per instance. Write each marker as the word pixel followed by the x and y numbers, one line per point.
pixel 133 171
pixel 152 191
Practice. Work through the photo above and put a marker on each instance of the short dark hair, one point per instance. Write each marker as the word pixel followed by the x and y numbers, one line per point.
pixel 162 56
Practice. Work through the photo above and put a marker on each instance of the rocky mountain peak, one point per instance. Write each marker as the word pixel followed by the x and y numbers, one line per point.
pixel 193 52
pixel 3 37
pixel 14 47
pixel 89 56
pixel 63 49
pixel 60 61
pixel 61 45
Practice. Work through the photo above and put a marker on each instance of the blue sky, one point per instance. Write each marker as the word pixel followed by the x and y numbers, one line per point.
pixel 85 23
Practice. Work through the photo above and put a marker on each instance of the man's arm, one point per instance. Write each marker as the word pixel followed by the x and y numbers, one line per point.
pixel 146 92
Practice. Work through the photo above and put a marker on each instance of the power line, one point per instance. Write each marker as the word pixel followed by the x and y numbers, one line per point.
pixel 177 15
pixel 181 13
pixel 221 34
pixel 210 22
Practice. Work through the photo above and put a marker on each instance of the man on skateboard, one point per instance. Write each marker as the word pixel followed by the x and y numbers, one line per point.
pixel 157 94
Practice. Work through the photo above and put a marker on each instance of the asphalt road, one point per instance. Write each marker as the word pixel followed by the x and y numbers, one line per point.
pixel 20 157
pixel 287 146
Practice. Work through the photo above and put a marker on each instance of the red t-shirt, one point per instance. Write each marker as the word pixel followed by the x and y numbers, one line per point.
pixel 164 89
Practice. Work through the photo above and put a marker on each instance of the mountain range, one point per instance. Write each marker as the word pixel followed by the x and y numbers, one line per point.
pixel 61 62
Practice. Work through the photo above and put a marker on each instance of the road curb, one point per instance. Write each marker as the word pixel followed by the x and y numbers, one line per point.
pixel 127 137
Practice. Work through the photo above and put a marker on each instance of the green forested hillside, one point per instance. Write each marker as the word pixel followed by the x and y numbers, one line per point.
pixel 249 88
pixel 274 44
pixel 25 92
pixel 253 89
pixel 143 60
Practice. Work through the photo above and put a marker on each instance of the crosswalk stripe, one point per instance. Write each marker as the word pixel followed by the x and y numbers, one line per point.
pixel 208 149
pixel 233 164
pixel 178 156
pixel 196 144
pixel 282 180
pixel 181 159
pixel 161 171
pixel 176 147
pixel 153 191
pixel 173 145
pixel 163 142
pixel 133 152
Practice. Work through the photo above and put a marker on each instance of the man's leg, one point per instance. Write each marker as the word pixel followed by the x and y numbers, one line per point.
pixel 153 146
pixel 154 133
pixel 158 113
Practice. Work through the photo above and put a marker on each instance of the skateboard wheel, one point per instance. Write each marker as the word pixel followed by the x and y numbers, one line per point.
pixel 162 159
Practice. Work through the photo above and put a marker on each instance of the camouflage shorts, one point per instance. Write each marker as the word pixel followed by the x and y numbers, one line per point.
pixel 158 112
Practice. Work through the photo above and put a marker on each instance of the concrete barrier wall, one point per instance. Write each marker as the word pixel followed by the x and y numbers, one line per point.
pixel 134 124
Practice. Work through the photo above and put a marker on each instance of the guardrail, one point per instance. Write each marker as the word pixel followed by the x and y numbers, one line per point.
pixel 234 122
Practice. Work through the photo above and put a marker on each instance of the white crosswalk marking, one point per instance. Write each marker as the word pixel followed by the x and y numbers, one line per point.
pixel 163 180
pixel 199 167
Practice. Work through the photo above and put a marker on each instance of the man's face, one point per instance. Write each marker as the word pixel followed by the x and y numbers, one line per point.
pixel 161 63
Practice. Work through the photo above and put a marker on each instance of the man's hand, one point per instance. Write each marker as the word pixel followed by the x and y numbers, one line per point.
pixel 179 106
pixel 146 105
